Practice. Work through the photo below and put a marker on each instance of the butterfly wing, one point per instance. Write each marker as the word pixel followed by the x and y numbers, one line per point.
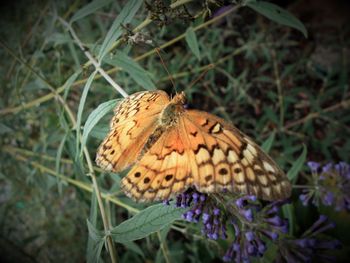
pixel 134 121
pixel 204 151
pixel 228 159
pixel 163 171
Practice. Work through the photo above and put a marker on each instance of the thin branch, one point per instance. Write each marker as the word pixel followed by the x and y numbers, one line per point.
pixel 50 96
pixel 71 116
pixel 69 180
pixel 343 104
pixel 276 72
pixel 164 248
pixel 96 64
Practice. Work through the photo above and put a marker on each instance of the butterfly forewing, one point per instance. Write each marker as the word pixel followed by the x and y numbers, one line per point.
pixel 134 121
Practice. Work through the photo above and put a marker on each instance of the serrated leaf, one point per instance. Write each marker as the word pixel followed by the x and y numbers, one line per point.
pixel 135 71
pixel 125 17
pixel 277 14
pixel 88 9
pixel 94 117
pixel 146 222
pixel 192 42
pixel 266 146
pixel 297 165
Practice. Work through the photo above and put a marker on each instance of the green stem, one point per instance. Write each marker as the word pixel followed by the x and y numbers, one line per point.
pixel 78 83
pixel 278 85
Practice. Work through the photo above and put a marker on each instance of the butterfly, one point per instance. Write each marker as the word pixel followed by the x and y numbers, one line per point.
pixel 172 149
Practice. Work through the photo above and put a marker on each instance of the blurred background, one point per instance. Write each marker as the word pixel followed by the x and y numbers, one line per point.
pixel 268 79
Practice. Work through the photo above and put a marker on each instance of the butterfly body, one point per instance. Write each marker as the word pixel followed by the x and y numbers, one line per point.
pixel 173 148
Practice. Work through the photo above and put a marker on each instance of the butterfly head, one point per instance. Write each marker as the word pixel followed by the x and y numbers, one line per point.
pixel 179 98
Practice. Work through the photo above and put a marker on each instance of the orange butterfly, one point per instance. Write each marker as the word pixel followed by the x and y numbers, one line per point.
pixel 174 149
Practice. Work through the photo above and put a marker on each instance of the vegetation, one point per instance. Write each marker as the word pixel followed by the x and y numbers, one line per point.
pixel 65 65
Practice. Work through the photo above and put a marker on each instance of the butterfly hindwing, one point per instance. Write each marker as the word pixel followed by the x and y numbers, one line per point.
pixel 162 172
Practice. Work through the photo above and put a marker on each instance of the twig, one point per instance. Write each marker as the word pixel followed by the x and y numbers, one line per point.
pixel 93 60
pixel 164 248
pixel 71 116
pixel 278 85
pixel 50 96
pixel 81 185
pixel 343 104
pixel 69 180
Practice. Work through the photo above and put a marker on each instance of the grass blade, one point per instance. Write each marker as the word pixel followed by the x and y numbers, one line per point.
pixel 192 42
pixel 266 146
pixel 297 165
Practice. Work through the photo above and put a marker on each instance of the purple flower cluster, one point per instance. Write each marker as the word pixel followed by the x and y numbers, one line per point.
pixel 329 184
pixel 308 248
pixel 252 223
pixel 214 225
pixel 259 224
pixel 253 226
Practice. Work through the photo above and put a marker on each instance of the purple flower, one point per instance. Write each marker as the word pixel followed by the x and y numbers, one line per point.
pixel 258 223
pixel 329 185
pixel 254 224
pixel 313 166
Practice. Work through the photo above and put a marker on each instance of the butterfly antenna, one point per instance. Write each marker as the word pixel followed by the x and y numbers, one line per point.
pixel 209 67
pixel 157 49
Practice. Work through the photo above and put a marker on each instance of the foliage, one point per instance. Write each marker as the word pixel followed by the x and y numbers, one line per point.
pixel 55 106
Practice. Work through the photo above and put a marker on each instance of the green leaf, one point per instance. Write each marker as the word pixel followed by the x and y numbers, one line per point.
pixel 94 118
pixel 94 233
pixel 95 243
pixel 288 212
pixel 58 160
pixel 146 222
pixel 192 42
pixel 88 9
pixel 99 132
pixel 81 107
pixel 125 17
pixel 135 71
pixel 266 146
pixel 67 86
pixel 297 165
pixel 277 14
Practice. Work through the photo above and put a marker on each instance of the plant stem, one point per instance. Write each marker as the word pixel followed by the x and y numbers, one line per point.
pixel 72 119
pixel 78 83
pixel 69 180
pixel 278 85
pixel 164 248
